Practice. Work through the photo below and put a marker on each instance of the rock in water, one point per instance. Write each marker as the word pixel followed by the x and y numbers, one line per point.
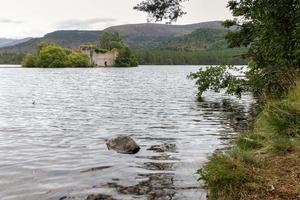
pixel 99 197
pixel 123 144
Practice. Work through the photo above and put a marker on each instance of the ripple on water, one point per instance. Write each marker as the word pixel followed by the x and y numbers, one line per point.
pixel 54 149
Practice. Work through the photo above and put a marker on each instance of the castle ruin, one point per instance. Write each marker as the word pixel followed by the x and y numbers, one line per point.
pixel 106 59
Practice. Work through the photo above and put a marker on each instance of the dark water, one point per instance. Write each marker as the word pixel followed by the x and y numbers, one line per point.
pixel 55 148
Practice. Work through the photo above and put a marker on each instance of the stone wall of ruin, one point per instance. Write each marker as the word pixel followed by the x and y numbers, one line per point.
pixel 107 59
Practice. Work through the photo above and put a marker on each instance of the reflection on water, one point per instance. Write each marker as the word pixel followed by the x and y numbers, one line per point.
pixel 55 149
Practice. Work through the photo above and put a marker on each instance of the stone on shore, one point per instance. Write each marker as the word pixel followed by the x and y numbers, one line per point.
pixel 123 144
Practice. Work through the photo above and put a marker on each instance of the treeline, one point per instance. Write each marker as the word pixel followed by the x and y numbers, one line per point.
pixel 11 58
pixel 200 39
pixel 201 57
pixel 166 57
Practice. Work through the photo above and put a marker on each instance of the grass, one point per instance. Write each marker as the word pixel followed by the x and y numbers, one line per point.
pixel 261 164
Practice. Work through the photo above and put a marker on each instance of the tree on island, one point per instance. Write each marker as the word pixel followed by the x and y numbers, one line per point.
pixel 112 40
pixel 50 55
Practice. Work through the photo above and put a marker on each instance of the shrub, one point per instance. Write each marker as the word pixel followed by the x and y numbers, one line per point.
pixel 126 59
pixel 29 61
pixel 52 55
pixel 218 78
pixel 98 50
pixel 77 59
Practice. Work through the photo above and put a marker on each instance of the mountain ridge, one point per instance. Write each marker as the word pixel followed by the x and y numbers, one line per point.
pixel 135 35
pixel 6 42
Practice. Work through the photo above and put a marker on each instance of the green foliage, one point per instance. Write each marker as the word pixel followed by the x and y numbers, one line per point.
pixel 113 40
pixel 200 39
pixel 272 39
pixel 232 173
pixel 29 61
pixel 225 174
pixel 201 57
pixel 162 9
pixel 77 59
pixel 284 119
pixel 246 143
pixel 116 45
pixel 51 55
pixel 98 50
pixel 126 59
pixel 11 58
pixel 280 123
pixel 217 78
pixel 110 40
pixel 281 145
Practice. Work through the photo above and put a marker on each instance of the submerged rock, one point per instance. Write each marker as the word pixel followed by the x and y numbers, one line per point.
pixel 123 144
pixel 163 148
pixel 99 197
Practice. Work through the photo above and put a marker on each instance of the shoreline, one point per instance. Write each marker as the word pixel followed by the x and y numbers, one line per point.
pixel 263 163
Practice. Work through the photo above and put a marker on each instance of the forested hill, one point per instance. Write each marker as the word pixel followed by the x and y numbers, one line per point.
pixel 200 39
pixel 4 42
pixel 135 35
pixel 68 39
pixel 202 43
pixel 147 35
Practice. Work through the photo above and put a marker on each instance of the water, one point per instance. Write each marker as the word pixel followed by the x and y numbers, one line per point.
pixel 53 123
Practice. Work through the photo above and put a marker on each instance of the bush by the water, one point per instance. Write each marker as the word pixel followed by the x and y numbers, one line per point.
pixel 248 169
pixel 52 55
pixel 126 58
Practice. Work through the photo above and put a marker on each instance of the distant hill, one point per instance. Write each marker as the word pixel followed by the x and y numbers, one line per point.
pixel 5 42
pixel 69 39
pixel 202 43
pixel 135 35
pixel 143 35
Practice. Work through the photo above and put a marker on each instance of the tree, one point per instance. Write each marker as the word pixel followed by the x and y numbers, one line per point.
pixel 77 59
pixel 109 40
pixel 271 31
pixel 29 61
pixel 160 10
pixel 126 59
pixel 52 55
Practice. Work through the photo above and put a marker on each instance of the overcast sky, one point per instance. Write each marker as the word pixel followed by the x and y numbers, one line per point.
pixel 34 18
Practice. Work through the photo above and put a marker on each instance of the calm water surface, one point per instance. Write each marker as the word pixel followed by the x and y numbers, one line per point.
pixel 54 149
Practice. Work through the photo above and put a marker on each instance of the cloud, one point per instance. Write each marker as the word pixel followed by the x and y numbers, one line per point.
pixel 10 21
pixel 83 24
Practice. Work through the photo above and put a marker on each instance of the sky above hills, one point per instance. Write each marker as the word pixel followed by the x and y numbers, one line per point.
pixel 34 18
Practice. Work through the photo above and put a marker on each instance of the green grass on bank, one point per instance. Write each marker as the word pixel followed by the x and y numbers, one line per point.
pixel 261 164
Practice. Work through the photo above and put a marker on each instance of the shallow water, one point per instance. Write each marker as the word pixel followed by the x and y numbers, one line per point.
pixel 54 148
